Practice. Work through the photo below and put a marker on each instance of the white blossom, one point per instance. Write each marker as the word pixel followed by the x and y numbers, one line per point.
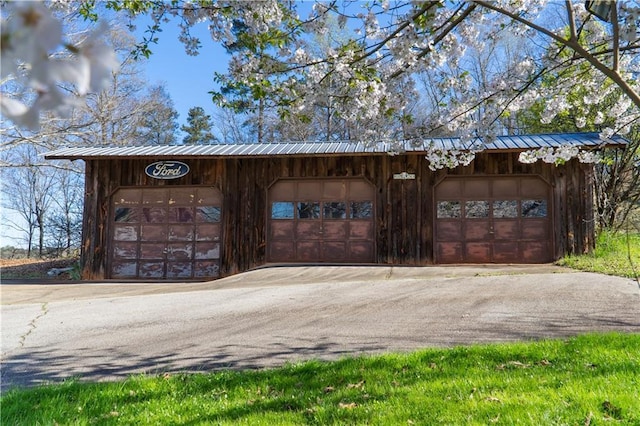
pixel 31 43
pixel 558 155
pixel 589 157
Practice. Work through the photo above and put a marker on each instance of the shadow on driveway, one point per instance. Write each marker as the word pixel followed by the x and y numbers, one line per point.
pixel 267 318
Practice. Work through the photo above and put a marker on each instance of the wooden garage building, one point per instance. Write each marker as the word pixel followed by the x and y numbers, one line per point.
pixel 207 211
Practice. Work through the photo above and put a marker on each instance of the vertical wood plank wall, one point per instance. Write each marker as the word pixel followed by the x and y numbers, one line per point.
pixel 404 208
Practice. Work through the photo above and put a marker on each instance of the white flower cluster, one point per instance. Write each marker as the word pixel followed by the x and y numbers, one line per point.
pixel 441 158
pixel 258 17
pixel 631 17
pixel 31 58
pixel 559 155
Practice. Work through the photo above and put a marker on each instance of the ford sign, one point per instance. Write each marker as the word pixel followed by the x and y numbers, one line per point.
pixel 167 170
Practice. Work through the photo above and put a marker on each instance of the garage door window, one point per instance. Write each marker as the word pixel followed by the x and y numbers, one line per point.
pixel 334 210
pixel 361 210
pixel 308 210
pixel 505 208
pixel 476 209
pixel 126 214
pixel 208 214
pixel 282 210
pixel 448 209
pixel 534 208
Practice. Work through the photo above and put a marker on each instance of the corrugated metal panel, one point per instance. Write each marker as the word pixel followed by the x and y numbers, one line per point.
pixel 500 144
pixel 253 150
pixel 520 142
pixel 535 139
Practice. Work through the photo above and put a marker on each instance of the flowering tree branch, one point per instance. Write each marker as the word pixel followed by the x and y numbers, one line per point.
pixel 36 58
pixel 574 44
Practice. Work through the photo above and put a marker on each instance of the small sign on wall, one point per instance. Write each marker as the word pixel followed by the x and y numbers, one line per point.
pixel 404 176
pixel 167 169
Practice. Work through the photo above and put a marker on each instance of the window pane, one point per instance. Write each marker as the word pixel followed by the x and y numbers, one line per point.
pixel 448 209
pixel 208 214
pixel 309 210
pixel 125 233
pixel 282 210
pixel 534 208
pixel 126 214
pixel 476 209
pixel 361 210
pixel 335 210
pixel 154 214
pixel 181 214
pixel 505 208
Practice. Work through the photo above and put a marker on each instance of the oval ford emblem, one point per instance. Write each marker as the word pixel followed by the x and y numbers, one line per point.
pixel 167 169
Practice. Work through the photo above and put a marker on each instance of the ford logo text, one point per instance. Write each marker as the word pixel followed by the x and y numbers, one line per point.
pixel 167 169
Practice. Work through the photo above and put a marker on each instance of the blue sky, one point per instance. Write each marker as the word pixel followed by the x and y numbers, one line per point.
pixel 188 79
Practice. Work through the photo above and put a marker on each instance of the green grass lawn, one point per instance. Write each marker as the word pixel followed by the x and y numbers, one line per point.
pixel 588 380
pixel 615 254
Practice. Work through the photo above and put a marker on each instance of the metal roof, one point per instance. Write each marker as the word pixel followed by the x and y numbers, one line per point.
pixel 501 143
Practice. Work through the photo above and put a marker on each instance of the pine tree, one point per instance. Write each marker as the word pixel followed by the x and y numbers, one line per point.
pixel 198 128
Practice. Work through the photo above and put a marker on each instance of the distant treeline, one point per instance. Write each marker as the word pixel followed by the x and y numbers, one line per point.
pixel 11 252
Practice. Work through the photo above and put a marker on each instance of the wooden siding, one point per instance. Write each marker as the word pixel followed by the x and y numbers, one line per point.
pixel 404 216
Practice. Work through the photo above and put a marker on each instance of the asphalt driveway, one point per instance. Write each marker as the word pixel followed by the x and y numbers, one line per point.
pixel 264 318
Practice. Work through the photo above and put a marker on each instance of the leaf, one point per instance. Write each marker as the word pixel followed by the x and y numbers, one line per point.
pixel 512 364
pixel 611 410
pixel 348 406
pixel 358 385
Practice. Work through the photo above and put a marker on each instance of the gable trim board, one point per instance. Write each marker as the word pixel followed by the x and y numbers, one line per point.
pixel 347 205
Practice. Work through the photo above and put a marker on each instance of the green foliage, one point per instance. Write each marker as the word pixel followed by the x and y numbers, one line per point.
pixel 135 7
pixel 87 10
pixel 590 379
pixel 616 253
pixel 76 272
pixel 198 128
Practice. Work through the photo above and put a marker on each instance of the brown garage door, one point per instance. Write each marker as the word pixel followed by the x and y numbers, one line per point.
pixel 493 220
pixel 328 220
pixel 165 233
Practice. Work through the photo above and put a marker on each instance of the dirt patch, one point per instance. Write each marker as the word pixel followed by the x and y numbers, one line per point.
pixel 26 269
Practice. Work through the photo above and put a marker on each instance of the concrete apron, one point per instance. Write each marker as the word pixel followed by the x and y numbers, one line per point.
pixel 32 291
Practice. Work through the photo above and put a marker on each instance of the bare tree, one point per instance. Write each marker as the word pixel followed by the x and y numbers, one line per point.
pixel 64 222
pixel 159 124
pixel 229 125
pixel 28 191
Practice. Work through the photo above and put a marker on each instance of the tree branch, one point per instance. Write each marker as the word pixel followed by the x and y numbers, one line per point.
pixel 616 34
pixel 613 74
pixel 452 25
pixel 572 21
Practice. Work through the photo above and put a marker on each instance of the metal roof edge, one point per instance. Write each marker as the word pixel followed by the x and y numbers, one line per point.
pixel 324 148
